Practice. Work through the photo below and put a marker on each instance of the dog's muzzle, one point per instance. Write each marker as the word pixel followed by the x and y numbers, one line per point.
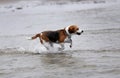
pixel 79 33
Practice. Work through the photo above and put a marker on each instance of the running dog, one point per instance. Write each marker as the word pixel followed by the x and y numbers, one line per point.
pixel 60 36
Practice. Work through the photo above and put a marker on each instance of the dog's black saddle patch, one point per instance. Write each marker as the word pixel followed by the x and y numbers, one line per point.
pixel 53 36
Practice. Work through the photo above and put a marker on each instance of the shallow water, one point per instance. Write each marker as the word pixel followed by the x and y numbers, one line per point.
pixel 95 54
pixel 70 64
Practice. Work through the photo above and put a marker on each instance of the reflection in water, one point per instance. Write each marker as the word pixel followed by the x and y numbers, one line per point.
pixel 60 65
pixel 60 59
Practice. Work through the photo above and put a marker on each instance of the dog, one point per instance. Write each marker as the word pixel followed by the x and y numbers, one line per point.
pixel 60 36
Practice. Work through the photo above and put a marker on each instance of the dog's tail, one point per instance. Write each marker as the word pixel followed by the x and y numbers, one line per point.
pixel 33 37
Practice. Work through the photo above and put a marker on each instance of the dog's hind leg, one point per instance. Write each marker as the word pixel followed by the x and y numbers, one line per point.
pixel 62 47
pixel 51 44
pixel 48 45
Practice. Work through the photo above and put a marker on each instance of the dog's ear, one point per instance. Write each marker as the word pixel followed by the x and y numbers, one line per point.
pixel 71 29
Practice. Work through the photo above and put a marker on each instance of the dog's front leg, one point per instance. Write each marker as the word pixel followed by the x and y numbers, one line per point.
pixel 70 43
pixel 68 40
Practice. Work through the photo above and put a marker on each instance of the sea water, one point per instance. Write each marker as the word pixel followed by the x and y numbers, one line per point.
pixel 95 53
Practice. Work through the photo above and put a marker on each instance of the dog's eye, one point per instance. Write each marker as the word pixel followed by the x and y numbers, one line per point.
pixel 77 28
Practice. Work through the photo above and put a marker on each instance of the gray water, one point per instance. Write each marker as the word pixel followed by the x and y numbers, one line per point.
pixel 95 54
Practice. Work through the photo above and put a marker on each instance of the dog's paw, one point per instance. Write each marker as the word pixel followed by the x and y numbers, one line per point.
pixel 70 46
pixel 28 38
pixel 60 49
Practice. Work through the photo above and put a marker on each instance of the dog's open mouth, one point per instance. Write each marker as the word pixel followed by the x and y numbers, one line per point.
pixel 79 33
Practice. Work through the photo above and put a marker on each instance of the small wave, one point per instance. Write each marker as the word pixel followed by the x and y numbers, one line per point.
pixel 41 51
pixel 31 50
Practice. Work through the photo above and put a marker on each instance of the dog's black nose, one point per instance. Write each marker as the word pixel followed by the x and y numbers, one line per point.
pixel 82 31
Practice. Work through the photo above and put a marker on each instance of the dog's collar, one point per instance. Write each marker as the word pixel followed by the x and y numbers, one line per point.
pixel 66 29
pixel 67 32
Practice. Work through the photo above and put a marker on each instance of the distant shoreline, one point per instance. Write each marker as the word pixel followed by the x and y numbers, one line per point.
pixel 52 1
pixel 8 1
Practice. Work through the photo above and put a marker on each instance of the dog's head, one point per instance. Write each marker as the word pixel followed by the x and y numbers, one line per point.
pixel 73 29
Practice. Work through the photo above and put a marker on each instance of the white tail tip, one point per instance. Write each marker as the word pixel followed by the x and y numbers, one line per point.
pixel 28 38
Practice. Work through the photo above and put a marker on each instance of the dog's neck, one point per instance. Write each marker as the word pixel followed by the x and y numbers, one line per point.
pixel 67 32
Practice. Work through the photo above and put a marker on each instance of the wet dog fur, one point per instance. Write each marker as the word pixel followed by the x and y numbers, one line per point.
pixel 60 36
